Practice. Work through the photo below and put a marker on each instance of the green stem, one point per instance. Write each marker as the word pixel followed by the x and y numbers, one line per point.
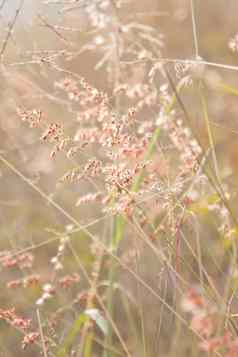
pixel 120 222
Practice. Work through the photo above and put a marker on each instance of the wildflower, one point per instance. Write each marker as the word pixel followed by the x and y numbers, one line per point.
pixel 68 280
pixel 30 339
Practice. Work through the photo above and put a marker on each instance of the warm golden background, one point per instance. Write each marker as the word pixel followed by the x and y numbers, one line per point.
pixel 27 219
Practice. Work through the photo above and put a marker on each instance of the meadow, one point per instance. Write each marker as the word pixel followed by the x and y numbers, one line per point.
pixel 118 178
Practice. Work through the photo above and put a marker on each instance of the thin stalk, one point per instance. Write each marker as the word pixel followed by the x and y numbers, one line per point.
pixel 174 351
pixel 86 342
pixel 211 178
pixel 41 334
pixel 209 133
pixel 120 222
pixel 224 87
pixel 132 273
pixel 163 288
pixel 132 323
pixel 195 35
pixel 216 185
pixel 113 268
pixel 140 305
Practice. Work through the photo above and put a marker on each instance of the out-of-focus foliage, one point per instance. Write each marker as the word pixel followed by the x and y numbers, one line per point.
pixel 181 232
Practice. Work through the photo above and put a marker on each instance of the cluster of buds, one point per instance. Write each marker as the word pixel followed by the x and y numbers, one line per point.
pixel 70 87
pixel 29 281
pixel 188 147
pixel 90 197
pixel 121 177
pixel 125 205
pixel 85 96
pixel 87 136
pixel 30 339
pixel 133 150
pixel 21 261
pixel 54 133
pixel 12 318
pixel 204 322
pixel 111 132
pixel 142 94
pixel 33 117
pixel 57 259
pixel 91 169
pixel 68 280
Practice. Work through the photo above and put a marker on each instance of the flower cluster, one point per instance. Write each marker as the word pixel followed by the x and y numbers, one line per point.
pixel 29 281
pixel 21 323
pixel 34 117
pixel 21 261
pixel 30 339
pixel 12 318
pixel 205 321
pixel 57 260
pixel 186 145
pixel 69 280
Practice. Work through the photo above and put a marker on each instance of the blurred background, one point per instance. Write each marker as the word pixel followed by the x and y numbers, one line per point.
pixel 39 37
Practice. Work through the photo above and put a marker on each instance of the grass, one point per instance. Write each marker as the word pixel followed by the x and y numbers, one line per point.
pixel 134 251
